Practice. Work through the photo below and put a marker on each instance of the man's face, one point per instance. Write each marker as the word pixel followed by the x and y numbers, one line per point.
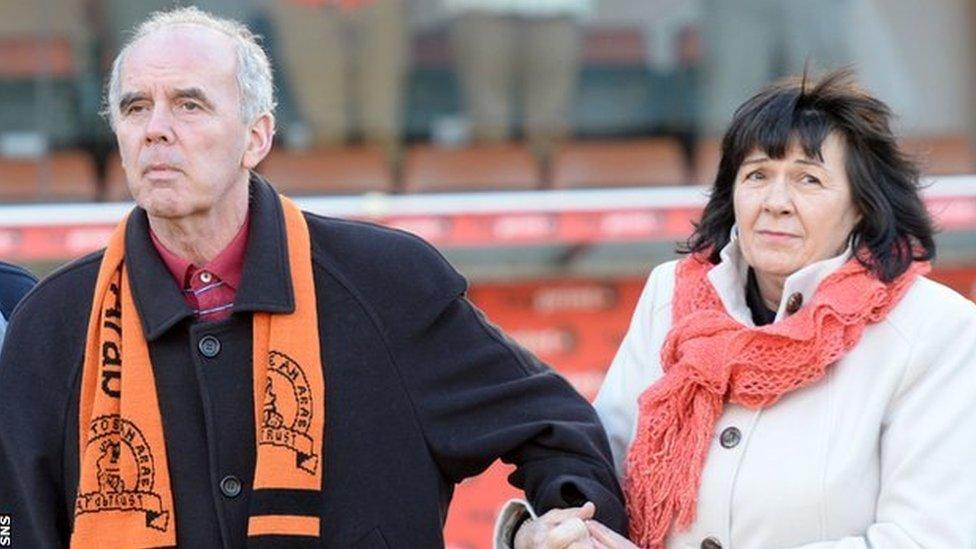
pixel 183 143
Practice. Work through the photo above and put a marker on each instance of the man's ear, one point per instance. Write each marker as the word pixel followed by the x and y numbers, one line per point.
pixel 259 140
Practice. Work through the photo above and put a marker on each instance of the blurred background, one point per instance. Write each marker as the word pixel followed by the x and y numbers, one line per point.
pixel 554 150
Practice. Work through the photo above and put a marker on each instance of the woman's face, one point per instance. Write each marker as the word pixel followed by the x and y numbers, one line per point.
pixel 793 211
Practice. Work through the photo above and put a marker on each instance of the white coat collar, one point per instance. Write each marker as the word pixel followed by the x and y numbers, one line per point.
pixel 729 279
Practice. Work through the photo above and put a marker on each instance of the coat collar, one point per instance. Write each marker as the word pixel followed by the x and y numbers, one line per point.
pixel 730 276
pixel 265 281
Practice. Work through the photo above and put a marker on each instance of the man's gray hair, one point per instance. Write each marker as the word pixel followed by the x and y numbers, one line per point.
pixel 254 77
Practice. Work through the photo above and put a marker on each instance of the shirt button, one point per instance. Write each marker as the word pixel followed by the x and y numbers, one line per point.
pixel 730 437
pixel 209 346
pixel 206 277
pixel 794 303
pixel 230 486
pixel 710 543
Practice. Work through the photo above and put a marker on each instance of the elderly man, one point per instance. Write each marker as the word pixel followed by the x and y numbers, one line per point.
pixel 231 371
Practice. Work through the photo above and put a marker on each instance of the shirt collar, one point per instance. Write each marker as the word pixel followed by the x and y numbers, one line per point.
pixel 265 283
pixel 226 266
pixel 730 276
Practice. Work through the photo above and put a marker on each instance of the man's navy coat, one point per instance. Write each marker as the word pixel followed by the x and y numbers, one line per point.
pixel 421 392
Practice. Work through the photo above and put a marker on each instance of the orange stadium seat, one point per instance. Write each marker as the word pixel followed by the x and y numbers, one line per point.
pixel 347 170
pixel 635 163
pixel 116 188
pixel 60 176
pixel 26 57
pixel 941 154
pixel 507 166
pixel 708 152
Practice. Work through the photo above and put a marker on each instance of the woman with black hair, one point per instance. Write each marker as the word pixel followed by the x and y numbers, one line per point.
pixel 795 380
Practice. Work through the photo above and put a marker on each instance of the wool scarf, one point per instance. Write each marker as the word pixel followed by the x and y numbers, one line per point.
pixel 709 358
pixel 125 494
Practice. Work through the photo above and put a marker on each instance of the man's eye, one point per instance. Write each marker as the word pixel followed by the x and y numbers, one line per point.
pixel 191 106
pixel 134 109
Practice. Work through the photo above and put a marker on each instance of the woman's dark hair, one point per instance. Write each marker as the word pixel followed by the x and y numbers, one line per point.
pixel 895 227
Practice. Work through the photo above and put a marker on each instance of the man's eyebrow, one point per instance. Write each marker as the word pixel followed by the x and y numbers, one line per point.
pixel 193 93
pixel 130 98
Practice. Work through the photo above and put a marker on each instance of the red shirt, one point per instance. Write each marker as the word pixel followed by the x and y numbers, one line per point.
pixel 209 290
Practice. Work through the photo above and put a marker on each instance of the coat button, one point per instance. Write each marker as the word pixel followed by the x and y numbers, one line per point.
pixel 710 543
pixel 730 437
pixel 794 303
pixel 209 346
pixel 230 486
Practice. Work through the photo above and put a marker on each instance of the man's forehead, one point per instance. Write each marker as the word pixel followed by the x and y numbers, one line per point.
pixel 181 50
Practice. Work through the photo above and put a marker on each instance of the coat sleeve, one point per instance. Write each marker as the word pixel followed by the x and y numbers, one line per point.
pixel 635 366
pixel 35 386
pixel 928 444
pixel 480 397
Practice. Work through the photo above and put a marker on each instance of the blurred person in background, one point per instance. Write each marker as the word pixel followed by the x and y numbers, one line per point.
pixel 748 43
pixel 524 49
pixel 231 371
pixel 15 282
pixel 796 380
pixel 345 63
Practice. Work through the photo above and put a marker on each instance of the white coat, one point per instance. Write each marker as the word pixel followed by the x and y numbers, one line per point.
pixel 880 453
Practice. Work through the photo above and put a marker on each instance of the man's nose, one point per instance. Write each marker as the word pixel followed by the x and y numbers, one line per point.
pixel 159 126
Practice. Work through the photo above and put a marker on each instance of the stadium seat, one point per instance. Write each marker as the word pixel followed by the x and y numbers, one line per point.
pixel 27 57
pixel 941 154
pixel 632 163
pixel 60 176
pixel 708 153
pixel 483 167
pixel 347 170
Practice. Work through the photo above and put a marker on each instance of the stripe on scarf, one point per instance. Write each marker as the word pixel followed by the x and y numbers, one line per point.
pixel 268 501
pixel 287 525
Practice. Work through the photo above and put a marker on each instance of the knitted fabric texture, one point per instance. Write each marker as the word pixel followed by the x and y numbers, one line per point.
pixel 125 495
pixel 708 358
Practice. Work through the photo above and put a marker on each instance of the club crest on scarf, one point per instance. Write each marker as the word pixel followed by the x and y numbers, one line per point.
pixel 286 415
pixel 126 473
pixel 126 470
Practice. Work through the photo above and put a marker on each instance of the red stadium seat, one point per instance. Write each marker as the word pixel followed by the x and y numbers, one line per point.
pixel 61 176
pixel 347 170
pixel 26 57
pixel 637 163
pixel 941 154
pixel 476 168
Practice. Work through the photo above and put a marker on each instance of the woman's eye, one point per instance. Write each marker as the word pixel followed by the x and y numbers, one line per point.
pixel 756 176
pixel 811 179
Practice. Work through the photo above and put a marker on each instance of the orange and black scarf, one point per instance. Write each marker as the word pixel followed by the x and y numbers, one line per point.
pixel 125 496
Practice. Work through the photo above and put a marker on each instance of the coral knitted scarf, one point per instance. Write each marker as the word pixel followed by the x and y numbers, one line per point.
pixel 709 358
pixel 125 495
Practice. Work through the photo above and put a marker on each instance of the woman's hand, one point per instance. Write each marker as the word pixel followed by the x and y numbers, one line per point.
pixel 605 538
pixel 557 529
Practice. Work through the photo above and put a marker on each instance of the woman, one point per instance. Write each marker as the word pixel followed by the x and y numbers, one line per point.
pixel 796 381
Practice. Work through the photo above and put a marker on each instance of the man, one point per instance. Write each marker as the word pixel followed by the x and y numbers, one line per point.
pixel 15 282
pixel 231 371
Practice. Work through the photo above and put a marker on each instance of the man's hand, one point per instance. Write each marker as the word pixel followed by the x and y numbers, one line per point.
pixel 605 538
pixel 557 529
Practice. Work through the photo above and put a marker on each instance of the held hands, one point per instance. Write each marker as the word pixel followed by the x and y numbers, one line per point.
pixel 572 528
